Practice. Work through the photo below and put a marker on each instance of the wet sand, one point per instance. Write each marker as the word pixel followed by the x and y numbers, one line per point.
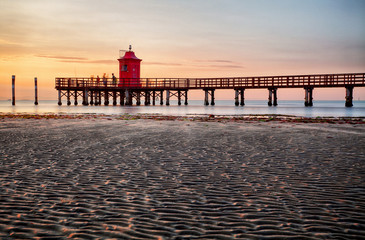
pixel 149 179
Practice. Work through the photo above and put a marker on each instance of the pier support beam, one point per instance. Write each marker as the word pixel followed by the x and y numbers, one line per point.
pixel 236 95
pixel 242 93
pixel 96 98
pixel 308 97
pixel 13 91
pixel 99 96
pixel 147 100
pixel 206 98
pixel 128 98
pixel 68 98
pixel 106 98
pixel 75 102
pixel 86 97
pixel 161 97
pixel 138 100
pixel 179 97
pixel 35 91
pixel 212 102
pixel 114 98
pixel 122 95
pixel 59 98
pixel 349 96
pixel 167 97
pixel 272 97
pixel 186 97
pixel 91 97
pixel 153 98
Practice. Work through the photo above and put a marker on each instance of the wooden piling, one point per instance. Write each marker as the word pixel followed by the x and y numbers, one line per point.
pixel 99 96
pixel 121 94
pixel 106 98
pixel 186 97
pixel 153 98
pixel 68 98
pixel 96 98
pixel 274 90
pixel 138 101
pixel 349 96
pixel 242 93
pixel 308 97
pixel 179 97
pixel 212 97
pixel 13 90
pixel 167 97
pixel 206 98
pixel 35 91
pixel 75 103
pixel 236 94
pixel 114 98
pixel 59 98
pixel 270 98
pixel 161 97
pixel 128 98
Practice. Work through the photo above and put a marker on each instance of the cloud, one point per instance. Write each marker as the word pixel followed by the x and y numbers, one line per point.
pixel 67 59
pixel 226 66
pixel 61 57
pixel 214 61
pixel 162 64
pixel 217 63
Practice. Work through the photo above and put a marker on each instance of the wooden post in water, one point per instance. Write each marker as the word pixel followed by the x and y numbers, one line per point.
pixel 212 97
pixel 121 98
pixel 68 98
pixel 59 98
pixel 35 91
pixel 270 98
pixel 106 98
pixel 167 97
pixel 127 98
pixel 178 97
pixel 114 98
pixel 242 97
pixel 153 97
pixel 274 91
pixel 75 103
pixel 308 97
pixel 13 89
pixel 138 100
pixel 349 96
pixel 186 97
pixel 236 94
pixel 206 98
pixel 161 97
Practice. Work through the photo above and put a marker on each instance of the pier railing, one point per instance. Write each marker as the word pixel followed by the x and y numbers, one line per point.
pixel 290 81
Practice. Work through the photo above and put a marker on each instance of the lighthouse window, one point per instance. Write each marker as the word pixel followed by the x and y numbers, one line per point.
pixel 125 68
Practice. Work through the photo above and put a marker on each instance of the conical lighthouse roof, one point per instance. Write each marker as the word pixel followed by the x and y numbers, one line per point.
pixel 130 55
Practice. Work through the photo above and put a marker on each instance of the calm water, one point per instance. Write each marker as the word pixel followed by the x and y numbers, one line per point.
pixel 223 107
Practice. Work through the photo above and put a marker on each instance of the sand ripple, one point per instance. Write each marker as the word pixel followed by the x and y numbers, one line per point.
pixel 145 179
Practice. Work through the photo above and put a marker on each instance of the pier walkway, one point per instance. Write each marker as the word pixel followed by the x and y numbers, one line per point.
pixel 130 91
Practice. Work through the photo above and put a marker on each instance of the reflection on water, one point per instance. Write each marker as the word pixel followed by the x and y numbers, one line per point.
pixel 196 107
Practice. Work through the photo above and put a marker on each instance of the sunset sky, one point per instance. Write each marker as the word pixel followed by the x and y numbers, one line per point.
pixel 186 38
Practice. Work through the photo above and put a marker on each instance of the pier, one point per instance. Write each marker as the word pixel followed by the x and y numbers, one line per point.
pixel 161 90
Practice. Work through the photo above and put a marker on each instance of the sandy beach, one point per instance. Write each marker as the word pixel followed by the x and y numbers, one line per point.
pixel 108 178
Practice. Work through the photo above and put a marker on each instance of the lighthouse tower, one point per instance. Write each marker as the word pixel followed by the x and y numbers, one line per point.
pixel 129 70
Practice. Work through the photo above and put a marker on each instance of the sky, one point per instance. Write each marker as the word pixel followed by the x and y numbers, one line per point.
pixel 181 38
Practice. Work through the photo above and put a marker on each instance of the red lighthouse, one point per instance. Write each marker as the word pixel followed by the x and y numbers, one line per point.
pixel 129 70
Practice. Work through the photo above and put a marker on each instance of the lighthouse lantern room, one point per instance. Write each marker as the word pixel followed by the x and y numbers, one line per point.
pixel 129 70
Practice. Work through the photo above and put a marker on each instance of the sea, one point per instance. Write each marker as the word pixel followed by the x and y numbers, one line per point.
pixel 195 107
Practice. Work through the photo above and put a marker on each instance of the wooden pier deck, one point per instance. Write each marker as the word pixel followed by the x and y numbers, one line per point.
pixel 127 91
